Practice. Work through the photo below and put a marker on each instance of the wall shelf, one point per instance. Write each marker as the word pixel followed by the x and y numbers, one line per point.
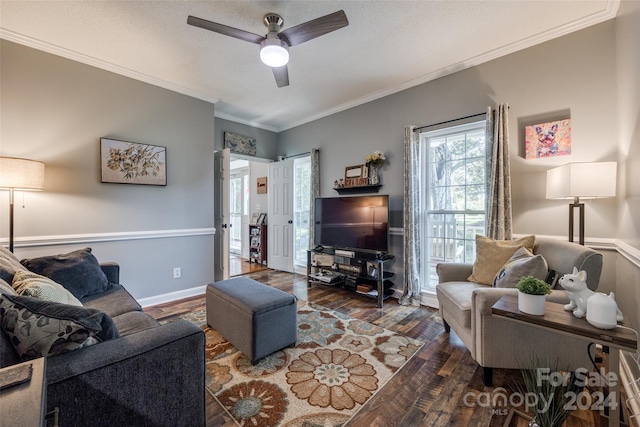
pixel 360 189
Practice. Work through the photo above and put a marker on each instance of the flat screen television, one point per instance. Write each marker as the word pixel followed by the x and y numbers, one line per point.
pixel 359 222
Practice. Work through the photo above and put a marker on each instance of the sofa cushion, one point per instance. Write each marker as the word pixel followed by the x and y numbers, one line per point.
pixel 78 271
pixel 9 264
pixel 455 299
pixel 40 328
pixel 34 285
pixel 521 264
pixel 492 254
pixel 134 321
pixel 114 302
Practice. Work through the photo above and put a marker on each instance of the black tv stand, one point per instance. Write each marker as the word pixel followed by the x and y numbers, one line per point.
pixel 364 273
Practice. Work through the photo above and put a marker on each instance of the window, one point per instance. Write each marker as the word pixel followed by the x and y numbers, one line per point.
pixel 453 205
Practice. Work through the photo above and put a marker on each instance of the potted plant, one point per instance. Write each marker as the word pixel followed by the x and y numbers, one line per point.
pixel 531 292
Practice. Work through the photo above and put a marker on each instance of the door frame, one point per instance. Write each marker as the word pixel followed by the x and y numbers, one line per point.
pixel 225 256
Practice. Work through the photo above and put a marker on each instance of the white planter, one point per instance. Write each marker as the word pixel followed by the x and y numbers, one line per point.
pixel 531 304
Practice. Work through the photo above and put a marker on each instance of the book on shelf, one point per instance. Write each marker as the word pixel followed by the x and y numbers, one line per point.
pixel 364 288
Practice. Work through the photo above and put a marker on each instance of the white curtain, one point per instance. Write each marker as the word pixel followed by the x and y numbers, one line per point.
pixel 315 191
pixel 411 241
pixel 499 218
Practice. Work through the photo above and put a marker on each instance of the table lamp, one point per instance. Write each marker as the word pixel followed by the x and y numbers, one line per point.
pixel 21 175
pixel 581 181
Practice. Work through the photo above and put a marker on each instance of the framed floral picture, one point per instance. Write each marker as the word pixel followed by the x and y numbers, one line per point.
pixel 123 162
pixel 549 139
pixel 240 144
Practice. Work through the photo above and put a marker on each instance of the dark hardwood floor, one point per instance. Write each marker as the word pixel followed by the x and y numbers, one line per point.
pixel 429 390
pixel 239 266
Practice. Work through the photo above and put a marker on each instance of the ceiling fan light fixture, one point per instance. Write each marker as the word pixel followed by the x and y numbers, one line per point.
pixel 274 52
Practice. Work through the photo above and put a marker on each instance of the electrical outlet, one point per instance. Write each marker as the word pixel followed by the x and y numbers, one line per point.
pixel 177 273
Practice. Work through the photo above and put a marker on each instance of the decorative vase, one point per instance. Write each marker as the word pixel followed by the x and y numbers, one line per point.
pixel 374 179
pixel 533 423
pixel 531 304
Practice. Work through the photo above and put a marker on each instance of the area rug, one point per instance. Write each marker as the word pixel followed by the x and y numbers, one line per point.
pixel 337 365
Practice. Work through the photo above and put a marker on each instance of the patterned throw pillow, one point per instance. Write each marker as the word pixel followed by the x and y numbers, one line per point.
pixel 492 254
pixel 523 263
pixel 34 285
pixel 42 328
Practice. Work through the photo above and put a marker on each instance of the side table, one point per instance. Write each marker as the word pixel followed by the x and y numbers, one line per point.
pixel 24 404
pixel 557 320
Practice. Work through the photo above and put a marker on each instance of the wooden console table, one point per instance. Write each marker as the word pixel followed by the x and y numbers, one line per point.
pixel 24 404
pixel 557 320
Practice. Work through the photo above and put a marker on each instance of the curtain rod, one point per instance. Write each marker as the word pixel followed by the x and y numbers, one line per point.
pixel 295 155
pixel 449 121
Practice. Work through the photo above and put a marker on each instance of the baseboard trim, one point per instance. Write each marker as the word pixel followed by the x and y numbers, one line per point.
pixel 172 296
pixel 76 239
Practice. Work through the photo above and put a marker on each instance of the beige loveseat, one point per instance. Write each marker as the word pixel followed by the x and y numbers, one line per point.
pixel 493 342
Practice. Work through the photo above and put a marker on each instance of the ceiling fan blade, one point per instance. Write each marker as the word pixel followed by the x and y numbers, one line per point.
pixel 282 75
pixel 314 28
pixel 225 29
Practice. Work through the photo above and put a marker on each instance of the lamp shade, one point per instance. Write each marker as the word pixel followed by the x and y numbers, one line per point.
pixel 21 174
pixel 583 180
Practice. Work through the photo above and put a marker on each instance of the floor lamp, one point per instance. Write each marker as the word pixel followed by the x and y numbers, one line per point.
pixel 581 181
pixel 21 175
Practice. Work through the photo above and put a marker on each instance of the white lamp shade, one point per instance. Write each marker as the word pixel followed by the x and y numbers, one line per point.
pixel 21 174
pixel 583 180
pixel 274 52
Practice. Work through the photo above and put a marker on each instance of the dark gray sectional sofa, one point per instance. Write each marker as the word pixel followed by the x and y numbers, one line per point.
pixel 149 375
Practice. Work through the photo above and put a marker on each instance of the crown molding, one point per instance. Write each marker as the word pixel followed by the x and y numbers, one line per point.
pixel 235 119
pixel 609 12
pixel 103 65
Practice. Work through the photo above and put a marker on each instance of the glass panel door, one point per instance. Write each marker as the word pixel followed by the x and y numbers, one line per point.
pixel 301 208
pixel 236 196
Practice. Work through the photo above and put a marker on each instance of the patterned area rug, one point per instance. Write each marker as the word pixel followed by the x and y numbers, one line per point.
pixel 338 364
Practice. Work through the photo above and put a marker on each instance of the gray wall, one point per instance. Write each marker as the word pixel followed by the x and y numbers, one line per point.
pixel 266 141
pixel 576 62
pixel 628 72
pixel 572 76
pixel 55 110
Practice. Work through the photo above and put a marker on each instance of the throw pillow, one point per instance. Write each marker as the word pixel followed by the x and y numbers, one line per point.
pixel 40 328
pixel 37 286
pixel 78 271
pixel 9 264
pixel 6 288
pixel 492 254
pixel 522 263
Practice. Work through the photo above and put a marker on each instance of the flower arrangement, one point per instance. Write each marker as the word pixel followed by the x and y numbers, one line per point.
pixel 376 159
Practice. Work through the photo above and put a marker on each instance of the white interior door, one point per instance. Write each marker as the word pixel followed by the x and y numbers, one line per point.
pixel 221 177
pixel 280 218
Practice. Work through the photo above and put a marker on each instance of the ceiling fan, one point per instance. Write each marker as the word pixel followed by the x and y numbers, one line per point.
pixel 274 47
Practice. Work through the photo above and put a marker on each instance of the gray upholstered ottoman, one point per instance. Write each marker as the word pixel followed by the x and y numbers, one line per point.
pixel 257 319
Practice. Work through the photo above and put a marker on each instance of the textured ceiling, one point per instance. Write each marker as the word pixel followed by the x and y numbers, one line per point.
pixel 388 46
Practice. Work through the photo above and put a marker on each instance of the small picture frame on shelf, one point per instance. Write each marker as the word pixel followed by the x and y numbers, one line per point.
pixel 255 241
pixel 262 219
pixel 352 172
pixel 254 218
